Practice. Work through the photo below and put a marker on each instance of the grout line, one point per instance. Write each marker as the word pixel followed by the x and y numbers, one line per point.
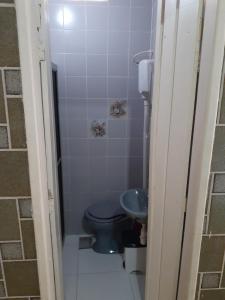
pixel 213 235
pixel 2 5
pixel 14 97
pixel 20 228
pixel 20 297
pixel 200 285
pixel 209 202
pixel 6 110
pixel 11 197
pixel 18 260
pixel 13 150
pixel 10 68
pixel 3 274
pixel 223 271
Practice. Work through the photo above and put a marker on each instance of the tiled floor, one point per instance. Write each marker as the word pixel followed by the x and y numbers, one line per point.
pixel 92 276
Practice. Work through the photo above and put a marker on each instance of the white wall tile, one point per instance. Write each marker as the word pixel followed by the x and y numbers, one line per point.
pixel 97 17
pixel 75 64
pixel 96 65
pixel 119 18
pixel 74 41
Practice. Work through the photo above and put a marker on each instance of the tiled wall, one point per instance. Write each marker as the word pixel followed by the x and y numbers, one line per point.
pixel 18 263
pixel 93 44
pixel 211 279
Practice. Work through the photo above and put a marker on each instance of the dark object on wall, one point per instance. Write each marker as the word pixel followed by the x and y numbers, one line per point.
pixel 58 145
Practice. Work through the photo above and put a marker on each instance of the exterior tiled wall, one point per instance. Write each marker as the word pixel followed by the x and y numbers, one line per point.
pixel 211 278
pixel 18 263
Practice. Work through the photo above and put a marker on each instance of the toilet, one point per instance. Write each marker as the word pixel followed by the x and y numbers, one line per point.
pixel 107 221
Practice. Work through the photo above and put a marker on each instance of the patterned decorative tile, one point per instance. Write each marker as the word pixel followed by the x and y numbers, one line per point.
pixel 25 208
pixel 211 280
pixel 118 109
pixel 98 128
pixel 13 82
pixel 3 137
pixel 11 251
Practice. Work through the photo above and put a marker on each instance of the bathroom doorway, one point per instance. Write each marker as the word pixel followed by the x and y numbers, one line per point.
pixel 98 126
pixel 97 47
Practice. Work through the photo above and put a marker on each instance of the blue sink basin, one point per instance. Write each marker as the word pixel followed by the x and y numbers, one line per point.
pixel 135 203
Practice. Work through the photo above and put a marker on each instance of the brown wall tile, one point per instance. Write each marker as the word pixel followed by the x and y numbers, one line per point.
pixel 9 226
pixel 212 295
pixel 14 175
pixel 212 253
pixel 9 54
pixel 211 280
pixel 2 289
pixel 11 251
pixel 0 272
pixel 2 104
pixel 222 109
pixel 21 278
pixel 217 215
pixel 25 208
pixel 28 239
pixel 218 160
pixel 16 123
pixel 3 137
pixel 13 82
pixel 6 1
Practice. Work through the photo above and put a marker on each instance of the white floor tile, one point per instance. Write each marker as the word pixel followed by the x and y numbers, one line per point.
pixel 138 286
pixel 70 255
pixel 71 240
pixel 70 287
pixel 92 262
pixel 107 286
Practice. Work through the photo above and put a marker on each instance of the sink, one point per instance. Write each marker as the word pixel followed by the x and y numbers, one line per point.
pixel 135 204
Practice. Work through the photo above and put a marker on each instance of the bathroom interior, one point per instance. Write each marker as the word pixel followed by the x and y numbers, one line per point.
pixel 102 54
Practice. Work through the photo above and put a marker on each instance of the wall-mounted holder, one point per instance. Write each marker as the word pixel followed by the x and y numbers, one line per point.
pixel 98 128
pixel 117 109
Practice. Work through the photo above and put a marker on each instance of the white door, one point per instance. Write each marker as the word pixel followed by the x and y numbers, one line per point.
pixel 178 42
pixel 51 153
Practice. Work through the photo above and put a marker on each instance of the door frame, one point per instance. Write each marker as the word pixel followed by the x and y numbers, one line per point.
pixel 208 95
pixel 168 61
pixel 37 99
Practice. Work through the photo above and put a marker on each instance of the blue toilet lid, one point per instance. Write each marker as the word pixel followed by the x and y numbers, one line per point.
pixel 106 210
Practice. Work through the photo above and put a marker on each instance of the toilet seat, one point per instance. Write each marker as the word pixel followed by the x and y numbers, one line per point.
pixel 105 212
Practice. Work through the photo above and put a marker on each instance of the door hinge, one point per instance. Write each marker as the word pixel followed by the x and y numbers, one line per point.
pixel 41 50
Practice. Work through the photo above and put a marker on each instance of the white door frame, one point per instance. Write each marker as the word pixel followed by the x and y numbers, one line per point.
pixel 212 56
pixel 32 34
pixel 174 40
pixel 177 53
